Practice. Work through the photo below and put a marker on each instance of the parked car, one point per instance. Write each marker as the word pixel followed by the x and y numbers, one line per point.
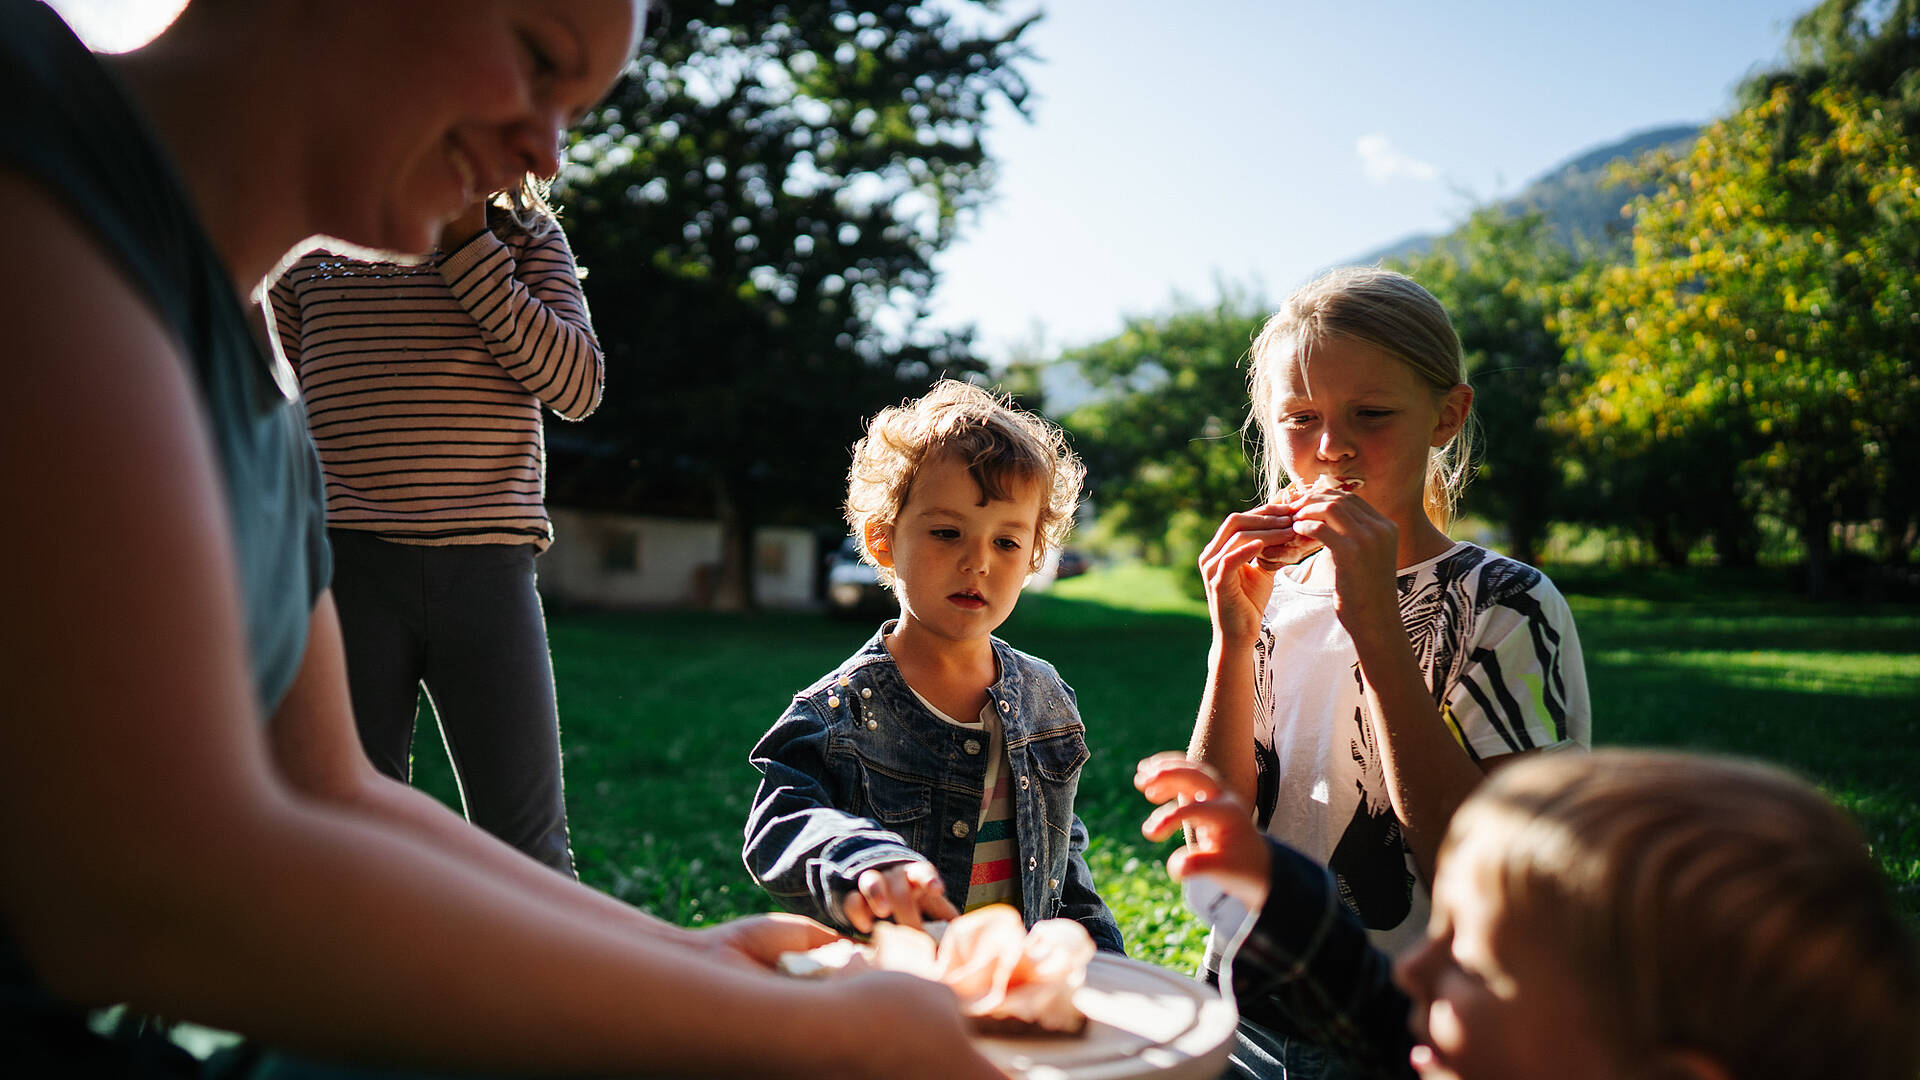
pixel 853 585
pixel 1071 564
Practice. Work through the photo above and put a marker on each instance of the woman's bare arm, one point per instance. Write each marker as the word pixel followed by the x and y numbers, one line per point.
pixel 151 849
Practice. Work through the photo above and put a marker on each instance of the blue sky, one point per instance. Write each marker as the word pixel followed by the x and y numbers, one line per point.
pixel 1179 143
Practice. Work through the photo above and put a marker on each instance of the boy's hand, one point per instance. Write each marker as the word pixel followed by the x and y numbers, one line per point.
pixel 903 892
pixel 1222 841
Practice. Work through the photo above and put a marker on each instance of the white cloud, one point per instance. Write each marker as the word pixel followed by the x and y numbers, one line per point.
pixel 1381 162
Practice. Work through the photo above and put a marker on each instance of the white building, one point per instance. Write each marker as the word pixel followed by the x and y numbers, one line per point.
pixel 634 561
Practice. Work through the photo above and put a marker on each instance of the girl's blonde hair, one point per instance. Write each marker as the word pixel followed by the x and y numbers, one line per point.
pixel 1002 446
pixel 528 205
pixel 1706 905
pixel 1388 311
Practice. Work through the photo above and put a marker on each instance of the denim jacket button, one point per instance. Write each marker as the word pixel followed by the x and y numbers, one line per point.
pixel 1004 706
pixel 1024 782
pixel 1053 883
pixel 972 746
pixel 1032 862
pixel 866 691
pixel 873 725
pixel 832 702
pixel 961 829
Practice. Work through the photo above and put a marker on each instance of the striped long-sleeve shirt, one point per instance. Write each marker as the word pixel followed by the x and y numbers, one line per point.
pixel 424 383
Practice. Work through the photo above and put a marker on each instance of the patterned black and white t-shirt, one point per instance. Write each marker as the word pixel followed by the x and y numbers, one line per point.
pixel 1496 644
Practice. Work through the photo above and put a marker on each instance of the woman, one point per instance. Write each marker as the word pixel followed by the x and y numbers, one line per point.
pixel 192 827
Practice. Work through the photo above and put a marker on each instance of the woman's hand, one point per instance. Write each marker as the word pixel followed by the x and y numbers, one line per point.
pixel 758 940
pixel 903 892
pixel 1238 565
pixel 1222 841
pixel 902 1025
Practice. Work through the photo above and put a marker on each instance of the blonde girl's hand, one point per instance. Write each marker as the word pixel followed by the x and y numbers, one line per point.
pixel 1364 545
pixel 904 892
pixel 1238 564
pixel 1222 841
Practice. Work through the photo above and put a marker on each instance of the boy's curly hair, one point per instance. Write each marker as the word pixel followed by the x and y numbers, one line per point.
pixel 1001 444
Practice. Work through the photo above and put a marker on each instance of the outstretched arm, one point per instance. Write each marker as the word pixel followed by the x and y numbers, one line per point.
pixel 1305 965
pixel 214 889
pixel 808 852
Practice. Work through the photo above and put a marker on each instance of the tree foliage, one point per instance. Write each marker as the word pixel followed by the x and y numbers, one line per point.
pixel 758 205
pixel 1162 441
pixel 1496 275
pixel 1762 338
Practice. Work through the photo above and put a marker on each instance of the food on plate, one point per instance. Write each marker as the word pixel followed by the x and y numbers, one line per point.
pixel 1275 556
pixel 1010 980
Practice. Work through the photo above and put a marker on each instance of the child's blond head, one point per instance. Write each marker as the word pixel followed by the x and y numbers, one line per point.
pixel 1002 446
pixel 1708 906
pixel 1388 311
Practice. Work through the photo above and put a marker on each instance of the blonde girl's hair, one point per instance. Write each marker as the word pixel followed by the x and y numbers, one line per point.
pixel 1388 311
pixel 1706 905
pixel 1003 446
pixel 528 205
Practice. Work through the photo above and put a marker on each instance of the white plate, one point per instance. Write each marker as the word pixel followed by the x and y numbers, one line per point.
pixel 1142 1021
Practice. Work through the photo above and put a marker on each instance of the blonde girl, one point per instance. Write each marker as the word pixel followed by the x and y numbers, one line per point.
pixel 1366 669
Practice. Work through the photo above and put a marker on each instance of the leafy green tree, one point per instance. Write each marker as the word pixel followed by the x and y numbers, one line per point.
pixel 758 206
pixel 1162 441
pixel 1768 309
pixel 1497 276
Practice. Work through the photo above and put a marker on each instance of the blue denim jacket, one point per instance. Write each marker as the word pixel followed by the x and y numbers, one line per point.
pixel 858 773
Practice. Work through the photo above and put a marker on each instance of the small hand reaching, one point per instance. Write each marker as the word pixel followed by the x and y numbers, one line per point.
pixel 1222 841
pixel 904 892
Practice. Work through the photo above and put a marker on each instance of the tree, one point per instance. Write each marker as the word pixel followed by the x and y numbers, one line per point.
pixel 1497 275
pixel 1768 308
pixel 1163 442
pixel 758 205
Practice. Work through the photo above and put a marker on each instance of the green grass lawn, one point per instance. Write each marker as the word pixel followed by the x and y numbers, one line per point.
pixel 659 710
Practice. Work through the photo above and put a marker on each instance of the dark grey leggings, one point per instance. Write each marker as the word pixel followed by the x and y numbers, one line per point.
pixel 463 621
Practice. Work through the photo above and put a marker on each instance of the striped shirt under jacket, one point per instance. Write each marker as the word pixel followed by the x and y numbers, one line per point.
pixel 424 383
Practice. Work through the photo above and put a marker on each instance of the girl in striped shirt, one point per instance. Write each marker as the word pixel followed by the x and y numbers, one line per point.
pixel 424 385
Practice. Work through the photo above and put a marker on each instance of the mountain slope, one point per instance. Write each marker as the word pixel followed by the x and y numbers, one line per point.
pixel 1573 196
